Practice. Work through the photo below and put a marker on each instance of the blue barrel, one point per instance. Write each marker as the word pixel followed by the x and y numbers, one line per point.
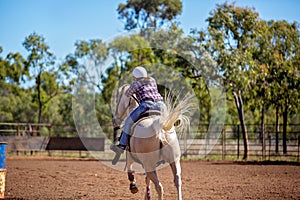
pixel 3 155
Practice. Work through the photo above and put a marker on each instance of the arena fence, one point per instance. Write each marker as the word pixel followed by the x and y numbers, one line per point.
pixel 23 138
pixel 230 144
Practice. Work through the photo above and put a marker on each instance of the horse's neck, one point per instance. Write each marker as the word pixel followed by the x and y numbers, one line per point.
pixel 126 104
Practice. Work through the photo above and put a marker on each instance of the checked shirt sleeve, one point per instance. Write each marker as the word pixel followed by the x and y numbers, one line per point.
pixel 132 89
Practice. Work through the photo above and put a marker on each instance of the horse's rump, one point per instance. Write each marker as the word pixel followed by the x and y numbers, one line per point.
pixel 146 146
pixel 144 143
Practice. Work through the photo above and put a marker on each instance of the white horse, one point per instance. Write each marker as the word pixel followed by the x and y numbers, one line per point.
pixel 154 140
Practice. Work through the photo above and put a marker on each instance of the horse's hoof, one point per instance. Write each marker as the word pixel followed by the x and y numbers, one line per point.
pixel 133 188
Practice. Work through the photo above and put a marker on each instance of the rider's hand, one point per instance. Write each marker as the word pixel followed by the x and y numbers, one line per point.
pixel 117 122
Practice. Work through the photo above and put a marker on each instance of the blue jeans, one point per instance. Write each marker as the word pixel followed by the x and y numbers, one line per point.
pixel 134 116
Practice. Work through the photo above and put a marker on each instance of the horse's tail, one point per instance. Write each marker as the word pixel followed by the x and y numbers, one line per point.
pixel 177 113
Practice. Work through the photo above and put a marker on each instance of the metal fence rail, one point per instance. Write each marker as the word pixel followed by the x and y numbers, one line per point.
pixel 229 144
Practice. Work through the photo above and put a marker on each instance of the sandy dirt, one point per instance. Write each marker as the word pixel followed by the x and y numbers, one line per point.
pixel 44 178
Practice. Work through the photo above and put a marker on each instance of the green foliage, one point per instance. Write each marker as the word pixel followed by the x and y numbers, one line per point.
pixel 145 14
pixel 85 66
pixel 127 52
pixel 238 51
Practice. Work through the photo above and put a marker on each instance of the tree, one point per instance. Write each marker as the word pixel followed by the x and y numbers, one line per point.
pixel 39 61
pixel 86 64
pixel 276 82
pixel 85 67
pixel 14 101
pixel 127 52
pixel 148 14
pixel 284 69
pixel 184 55
pixel 232 33
pixel 259 86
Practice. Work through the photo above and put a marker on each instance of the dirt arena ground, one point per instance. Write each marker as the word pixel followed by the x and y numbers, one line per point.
pixel 44 178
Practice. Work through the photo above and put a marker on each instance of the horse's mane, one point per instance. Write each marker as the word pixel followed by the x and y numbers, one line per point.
pixel 177 111
pixel 118 96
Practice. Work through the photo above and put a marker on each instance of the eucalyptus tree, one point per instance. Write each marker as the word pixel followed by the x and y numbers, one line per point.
pixel 148 14
pixel 15 100
pixel 39 62
pixel 86 63
pixel 127 52
pixel 11 69
pixel 85 69
pixel 231 40
pixel 14 70
pixel 277 71
pixel 284 70
pixel 185 56
pixel 260 81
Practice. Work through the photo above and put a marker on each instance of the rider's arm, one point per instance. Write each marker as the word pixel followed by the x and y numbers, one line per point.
pixel 132 89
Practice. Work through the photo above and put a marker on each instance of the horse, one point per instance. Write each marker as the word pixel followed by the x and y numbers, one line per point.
pixel 154 140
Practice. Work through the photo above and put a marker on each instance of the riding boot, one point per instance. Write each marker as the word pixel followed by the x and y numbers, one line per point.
pixel 118 149
pixel 115 159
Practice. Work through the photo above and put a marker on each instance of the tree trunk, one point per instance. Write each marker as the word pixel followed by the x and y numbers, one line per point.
pixel 277 131
pixel 239 106
pixel 40 103
pixel 285 120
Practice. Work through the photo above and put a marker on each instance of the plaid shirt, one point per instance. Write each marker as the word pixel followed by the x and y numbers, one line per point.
pixel 144 89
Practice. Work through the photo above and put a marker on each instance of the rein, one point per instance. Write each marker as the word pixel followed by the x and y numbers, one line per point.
pixel 135 99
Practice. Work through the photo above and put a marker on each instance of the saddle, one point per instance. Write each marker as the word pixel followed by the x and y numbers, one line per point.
pixel 147 114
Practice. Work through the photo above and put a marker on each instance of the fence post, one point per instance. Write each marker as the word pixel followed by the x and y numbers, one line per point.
pixel 238 144
pixel 18 130
pixel 185 142
pixel 263 144
pixel 270 141
pixel 298 147
pixel 223 143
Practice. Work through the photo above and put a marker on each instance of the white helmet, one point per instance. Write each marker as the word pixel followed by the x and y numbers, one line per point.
pixel 139 72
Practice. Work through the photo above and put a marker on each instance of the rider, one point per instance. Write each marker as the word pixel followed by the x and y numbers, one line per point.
pixel 145 89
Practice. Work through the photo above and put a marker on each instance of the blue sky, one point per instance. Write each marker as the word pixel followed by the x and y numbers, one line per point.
pixel 63 22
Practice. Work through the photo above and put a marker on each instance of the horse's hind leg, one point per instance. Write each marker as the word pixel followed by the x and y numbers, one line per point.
pixel 176 169
pixel 132 187
pixel 148 192
pixel 158 186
